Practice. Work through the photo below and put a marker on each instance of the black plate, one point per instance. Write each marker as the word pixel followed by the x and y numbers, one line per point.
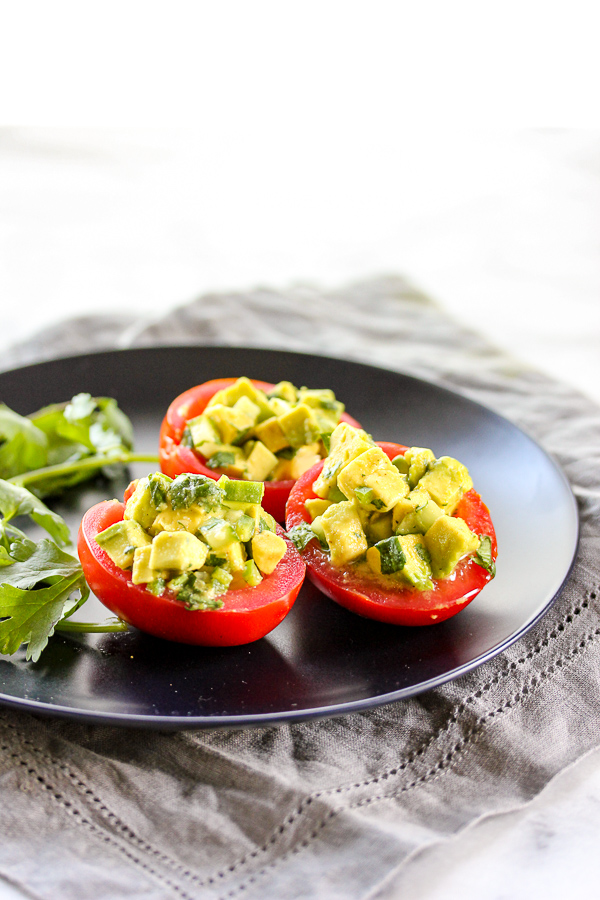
pixel 321 660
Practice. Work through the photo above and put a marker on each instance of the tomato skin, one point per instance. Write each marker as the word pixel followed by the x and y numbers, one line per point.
pixel 247 615
pixel 175 459
pixel 404 606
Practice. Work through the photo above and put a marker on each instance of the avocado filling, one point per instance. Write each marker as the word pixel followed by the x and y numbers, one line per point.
pixel 390 519
pixel 195 537
pixel 264 437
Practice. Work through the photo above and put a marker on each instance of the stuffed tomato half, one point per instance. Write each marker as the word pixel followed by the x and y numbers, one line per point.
pixel 390 532
pixel 250 430
pixel 191 560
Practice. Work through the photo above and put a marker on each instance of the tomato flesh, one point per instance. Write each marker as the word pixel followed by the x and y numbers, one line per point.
pixel 176 459
pixel 376 599
pixel 247 614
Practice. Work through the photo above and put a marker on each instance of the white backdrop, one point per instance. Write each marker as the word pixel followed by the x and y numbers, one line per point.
pixel 501 227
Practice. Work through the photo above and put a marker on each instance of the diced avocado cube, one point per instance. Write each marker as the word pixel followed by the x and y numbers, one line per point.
pixel 120 541
pixel 326 408
pixel 446 481
pixel 419 459
pixel 280 407
pixel 448 540
pixel 236 556
pixel 336 496
pixel 179 520
pixel 244 528
pixel 210 449
pixel 282 471
pixel 378 527
pixel 246 406
pixel 252 576
pixel 267 551
pixel 422 517
pixel 317 528
pixel 417 567
pixel 405 554
pixel 316 507
pixel 220 580
pixel 253 510
pixel 372 480
pixel 218 534
pixel 300 426
pixel 402 508
pixel 178 550
pixel 343 532
pixel 317 396
pixel 243 387
pixel 139 507
pixel 142 572
pixel 401 464
pixel 266 522
pixel 346 443
pixel 232 424
pixel 284 390
pixel 271 434
pixel 304 459
pixel 204 434
pixel 243 492
pixel 260 463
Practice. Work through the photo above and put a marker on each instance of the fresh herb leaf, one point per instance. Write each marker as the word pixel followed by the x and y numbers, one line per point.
pixel 186 438
pixel 30 616
pixel 158 485
pixel 16 501
pixel 40 584
pixel 23 446
pixel 301 535
pixel 221 460
pixel 286 453
pixel 483 556
pixel 47 561
pixel 326 439
pixel 81 407
pixel 64 444
pixel 157 587
pixel 213 560
pixel 189 489
pixel 5 558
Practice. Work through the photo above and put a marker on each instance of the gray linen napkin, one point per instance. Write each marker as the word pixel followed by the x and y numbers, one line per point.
pixel 328 809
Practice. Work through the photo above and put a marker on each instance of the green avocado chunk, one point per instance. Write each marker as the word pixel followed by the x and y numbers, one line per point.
pixel 446 481
pixel 177 550
pixel 121 540
pixel 448 540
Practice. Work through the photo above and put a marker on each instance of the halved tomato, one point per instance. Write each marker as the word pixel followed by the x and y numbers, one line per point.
pixel 247 614
pixel 176 459
pixel 376 598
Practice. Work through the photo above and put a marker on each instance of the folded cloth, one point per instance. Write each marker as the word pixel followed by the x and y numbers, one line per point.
pixel 330 808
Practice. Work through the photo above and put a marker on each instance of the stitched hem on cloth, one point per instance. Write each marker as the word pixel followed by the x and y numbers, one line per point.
pixel 190 878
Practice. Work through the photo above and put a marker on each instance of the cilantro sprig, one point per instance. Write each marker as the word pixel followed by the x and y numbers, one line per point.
pixel 41 585
pixel 41 455
pixel 483 556
pixel 65 444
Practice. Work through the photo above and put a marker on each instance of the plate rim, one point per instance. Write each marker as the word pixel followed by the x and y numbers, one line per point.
pixel 179 722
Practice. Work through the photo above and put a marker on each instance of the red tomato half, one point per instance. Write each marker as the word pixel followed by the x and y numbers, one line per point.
pixel 175 459
pixel 247 615
pixel 374 600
